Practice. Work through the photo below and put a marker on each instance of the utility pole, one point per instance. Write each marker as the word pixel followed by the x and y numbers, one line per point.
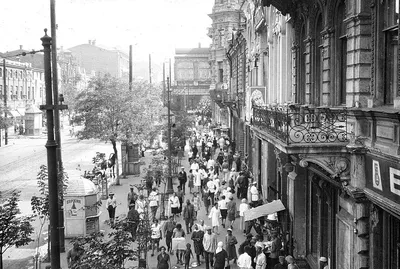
pixel 5 101
pixel 150 68
pixel 163 79
pixel 130 68
pixel 57 118
pixel 51 146
pixel 169 182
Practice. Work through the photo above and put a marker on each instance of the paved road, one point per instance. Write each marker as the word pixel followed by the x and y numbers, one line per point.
pixel 19 164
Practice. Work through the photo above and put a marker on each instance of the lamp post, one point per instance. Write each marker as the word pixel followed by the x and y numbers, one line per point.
pixel 169 179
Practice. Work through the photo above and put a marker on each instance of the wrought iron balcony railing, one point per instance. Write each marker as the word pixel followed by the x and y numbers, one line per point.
pixel 294 125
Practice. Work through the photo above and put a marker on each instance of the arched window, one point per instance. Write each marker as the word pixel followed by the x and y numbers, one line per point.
pixel 340 55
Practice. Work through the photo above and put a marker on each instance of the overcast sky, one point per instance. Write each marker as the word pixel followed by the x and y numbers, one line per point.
pixel 151 26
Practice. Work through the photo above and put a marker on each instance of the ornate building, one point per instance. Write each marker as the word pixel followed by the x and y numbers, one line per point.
pixel 225 19
pixel 192 78
pixel 321 109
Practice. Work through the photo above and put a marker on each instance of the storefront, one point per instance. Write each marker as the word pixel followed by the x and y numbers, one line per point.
pixel 383 190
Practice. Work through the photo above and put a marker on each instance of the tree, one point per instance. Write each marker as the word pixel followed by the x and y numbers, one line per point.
pixel 203 109
pixel 107 252
pixel 109 111
pixel 15 230
pixel 4 122
pixel 180 131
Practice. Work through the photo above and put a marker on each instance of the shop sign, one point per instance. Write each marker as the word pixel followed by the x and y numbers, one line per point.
pixel 74 207
pixel 383 176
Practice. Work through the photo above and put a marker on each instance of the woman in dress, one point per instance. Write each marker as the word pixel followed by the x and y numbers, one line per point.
pixel 231 206
pixel 179 233
pixel 230 242
pixel 196 203
pixel 214 216
pixel 163 261
pixel 191 182
pixel 197 237
pixel 206 199
pixel 221 257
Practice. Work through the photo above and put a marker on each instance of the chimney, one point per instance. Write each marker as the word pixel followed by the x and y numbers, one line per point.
pixel 20 47
pixel 199 45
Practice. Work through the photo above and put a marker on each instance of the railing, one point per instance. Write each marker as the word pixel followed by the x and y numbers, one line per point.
pixel 294 124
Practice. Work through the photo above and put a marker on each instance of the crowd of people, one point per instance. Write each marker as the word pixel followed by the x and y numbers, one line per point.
pixel 216 179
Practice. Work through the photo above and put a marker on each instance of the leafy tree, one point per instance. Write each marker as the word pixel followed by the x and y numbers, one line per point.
pixel 4 122
pixel 40 204
pixel 15 230
pixel 110 251
pixel 180 131
pixel 109 111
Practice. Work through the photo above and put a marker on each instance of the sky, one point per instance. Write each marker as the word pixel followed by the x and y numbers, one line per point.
pixel 154 27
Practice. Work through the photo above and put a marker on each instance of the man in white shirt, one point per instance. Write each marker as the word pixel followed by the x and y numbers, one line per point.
pixel 210 163
pixel 254 194
pixel 111 206
pixel 156 235
pixel 174 203
pixel 153 203
pixel 194 166
pixel 244 260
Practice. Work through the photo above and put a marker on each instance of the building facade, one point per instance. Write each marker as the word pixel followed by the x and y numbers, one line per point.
pixel 192 78
pixel 225 19
pixel 321 101
pixel 100 60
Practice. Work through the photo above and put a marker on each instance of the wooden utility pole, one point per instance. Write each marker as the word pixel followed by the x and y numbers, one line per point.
pixel 163 79
pixel 130 68
pixel 5 101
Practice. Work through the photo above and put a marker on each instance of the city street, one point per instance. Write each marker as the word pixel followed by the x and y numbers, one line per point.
pixel 19 165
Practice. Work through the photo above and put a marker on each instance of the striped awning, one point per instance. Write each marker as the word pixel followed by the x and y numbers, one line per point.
pixel 264 210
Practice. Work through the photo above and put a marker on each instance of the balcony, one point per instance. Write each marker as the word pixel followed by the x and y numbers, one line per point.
pixel 302 125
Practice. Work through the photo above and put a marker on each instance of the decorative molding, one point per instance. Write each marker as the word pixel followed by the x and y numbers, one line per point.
pixel 336 166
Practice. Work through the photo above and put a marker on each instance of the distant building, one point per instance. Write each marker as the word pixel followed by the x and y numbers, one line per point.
pixel 101 60
pixel 192 77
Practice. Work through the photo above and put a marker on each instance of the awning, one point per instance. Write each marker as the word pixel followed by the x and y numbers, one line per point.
pixel 13 113
pixel 21 111
pixel 264 210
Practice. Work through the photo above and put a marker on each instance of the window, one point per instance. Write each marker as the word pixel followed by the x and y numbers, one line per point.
pixel 21 92
pixel 390 33
pixel 301 83
pixel 40 92
pixel 341 55
pixel 11 74
pixel 220 72
pixel 1 89
pixel 29 93
pixel 33 92
pixel 16 74
pixel 11 90
pixel 1 72
pixel 317 96
pixel 20 74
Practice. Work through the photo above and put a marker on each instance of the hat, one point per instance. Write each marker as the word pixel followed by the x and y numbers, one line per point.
pixel 244 200
pixel 229 229
pixel 323 259
pixel 249 235
pixel 289 258
pixel 207 228
pixel 259 245
pixel 111 193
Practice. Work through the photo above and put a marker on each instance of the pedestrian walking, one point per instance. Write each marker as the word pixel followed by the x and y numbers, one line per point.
pixel 182 177
pixel 196 203
pixel 132 197
pixel 153 203
pixel 163 259
pixel 231 206
pixel 214 216
pixel 243 207
pixel 190 177
pixel 197 179
pixel 244 260
pixel 179 235
pixel 156 236
pixel 174 204
pixel 223 209
pixel 230 243
pixel 206 199
pixel 254 194
pixel 275 249
pixel 188 215
pixel 169 227
pixel 111 207
pixel 210 245
pixel 140 206
pixel 133 219
pixel 260 260
pixel 180 195
pixel 188 254
pixel 221 257
pixel 197 237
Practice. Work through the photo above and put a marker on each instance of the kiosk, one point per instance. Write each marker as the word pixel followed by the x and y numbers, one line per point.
pixel 81 213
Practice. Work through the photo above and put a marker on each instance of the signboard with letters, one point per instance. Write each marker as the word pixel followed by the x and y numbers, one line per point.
pixel 383 177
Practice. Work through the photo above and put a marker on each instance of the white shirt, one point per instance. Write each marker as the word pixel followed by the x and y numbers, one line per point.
pixel 244 261
pixel 155 231
pixel 211 186
pixel 194 166
pixel 112 202
pixel 174 200
pixel 254 193
pixel 210 163
pixel 242 208
pixel 153 198
pixel 222 204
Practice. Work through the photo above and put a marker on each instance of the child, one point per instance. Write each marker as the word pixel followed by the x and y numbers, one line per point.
pixel 196 203
pixel 188 253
